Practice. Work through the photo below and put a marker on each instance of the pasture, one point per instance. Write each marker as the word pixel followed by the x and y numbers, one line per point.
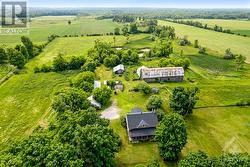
pixel 42 27
pixel 238 26
pixel 215 41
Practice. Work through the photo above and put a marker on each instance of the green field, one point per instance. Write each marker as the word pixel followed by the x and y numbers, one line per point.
pixel 213 40
pixel 214 127
pixel 42 27
pixel 238 26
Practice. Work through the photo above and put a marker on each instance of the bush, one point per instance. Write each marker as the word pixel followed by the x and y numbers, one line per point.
pixel 143 87
pixel 202 50
pixel 229 54
pixel 60 64
pixel 154 103
pixel 84 81
pixel 90 65
pixel 76 63
pixel 123 122
pixel 126 75
pixel 71 99
pixel 102 95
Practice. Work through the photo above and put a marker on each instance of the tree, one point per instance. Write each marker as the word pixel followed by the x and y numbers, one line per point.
pixel 102 95
pixel 28 45
pixel 59 63
pixel 133 28
pixel 117 31
pixel 90 65
pixel 16 58
pixel 196 43
pixel 229 54
pixel 76 63
pixel 3 56
pixel 114 39
pixel 171 136
pixel 69 22
pixel 111 61
pixel 195 159
pixel 125 30
pixel 239 61
pixel 71 99
pixel 84 81
pixel 183 101
pixel 154 103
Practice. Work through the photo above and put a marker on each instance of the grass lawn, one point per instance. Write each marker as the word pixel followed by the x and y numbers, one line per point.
pixel 213 40
pixel 42 27
pixel 238 26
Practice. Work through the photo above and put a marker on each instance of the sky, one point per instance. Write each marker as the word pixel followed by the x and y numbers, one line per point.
pixel 143 3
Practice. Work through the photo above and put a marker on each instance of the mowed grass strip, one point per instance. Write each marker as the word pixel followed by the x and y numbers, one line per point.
pixel 237 26
pixel 214 40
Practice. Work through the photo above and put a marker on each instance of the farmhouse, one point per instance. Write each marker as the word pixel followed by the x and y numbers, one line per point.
pixel 141 125
pixel 167 74
pixel 119 69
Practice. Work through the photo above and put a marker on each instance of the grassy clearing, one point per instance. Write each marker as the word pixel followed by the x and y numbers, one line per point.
pixel 42 27
pixel 214 40
pixel 238 26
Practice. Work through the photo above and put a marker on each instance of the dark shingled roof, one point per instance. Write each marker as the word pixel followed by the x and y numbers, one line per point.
pixel 141 120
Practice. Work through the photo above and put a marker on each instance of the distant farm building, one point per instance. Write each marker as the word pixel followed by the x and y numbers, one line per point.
pixel 119 69
pixel 94 103
pixel 167 74
pixel 141 125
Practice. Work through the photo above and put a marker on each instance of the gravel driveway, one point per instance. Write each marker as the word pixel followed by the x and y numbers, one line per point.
pixel 112 112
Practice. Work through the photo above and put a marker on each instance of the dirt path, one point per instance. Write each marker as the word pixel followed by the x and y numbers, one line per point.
pixel 112 112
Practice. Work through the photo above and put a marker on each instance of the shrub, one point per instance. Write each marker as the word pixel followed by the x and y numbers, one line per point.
pixel 102 95
pixel 59 63
pixel 154 103
pixel 84 81
pixel 143 87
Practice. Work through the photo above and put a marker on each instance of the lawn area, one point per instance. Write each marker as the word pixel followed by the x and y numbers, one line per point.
pixel 42 27
pixel 213 40
pixel 237 26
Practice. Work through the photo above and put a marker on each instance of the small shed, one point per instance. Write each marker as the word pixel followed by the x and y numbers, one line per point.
pixel 97 84
pixel 119 69
pixel 119 86
pixel 94 103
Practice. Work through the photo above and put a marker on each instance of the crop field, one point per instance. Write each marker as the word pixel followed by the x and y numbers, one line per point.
pixel 238 26
pixel 213 40
pixel 42 27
